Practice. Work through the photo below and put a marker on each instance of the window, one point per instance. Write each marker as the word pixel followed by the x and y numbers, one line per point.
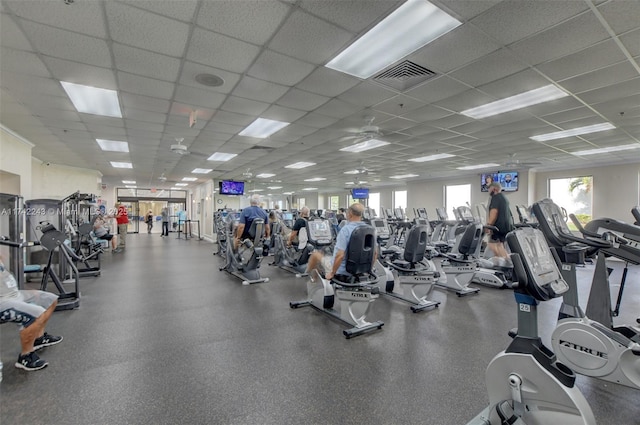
pixel 574 194
pixel 456 196
pixel 302 202
pixel 400 199
pixel 374 202
pixel 334 203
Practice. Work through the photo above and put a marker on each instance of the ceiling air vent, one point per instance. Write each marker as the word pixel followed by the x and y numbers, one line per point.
pixel 404 75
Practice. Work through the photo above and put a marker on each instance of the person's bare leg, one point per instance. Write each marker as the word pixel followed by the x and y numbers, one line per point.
pixel 498 249
pixel 29 334
pixel 314 262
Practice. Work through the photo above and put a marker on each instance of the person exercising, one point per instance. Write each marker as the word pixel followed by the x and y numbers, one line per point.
pixel 247 216
pixel 336 265
pixel 499 217
pixel 301 223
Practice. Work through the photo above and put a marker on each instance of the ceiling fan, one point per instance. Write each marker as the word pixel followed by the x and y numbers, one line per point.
pixel 179 149
pixel 514 162
pixel 361 170
pixel 367 131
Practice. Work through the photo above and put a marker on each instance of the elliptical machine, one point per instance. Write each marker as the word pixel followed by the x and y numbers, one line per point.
pixel 526 384
pixel 354 297
pixel 319 236
pixel 244 262
pixel 457 270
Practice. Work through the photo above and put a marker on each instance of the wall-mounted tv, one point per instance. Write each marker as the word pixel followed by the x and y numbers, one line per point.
pixel 360 193
pixel 230 187
pixel 507 179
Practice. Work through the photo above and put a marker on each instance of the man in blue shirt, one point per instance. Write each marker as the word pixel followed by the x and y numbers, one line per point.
pixel 247 216
pixel 336 265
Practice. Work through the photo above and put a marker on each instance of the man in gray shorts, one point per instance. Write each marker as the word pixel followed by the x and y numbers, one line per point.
pixel 31 310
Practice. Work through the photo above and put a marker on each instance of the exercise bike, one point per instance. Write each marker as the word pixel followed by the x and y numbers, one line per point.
pixel 354 297
pixel 318 235
pixel 244 261
pixel 526 384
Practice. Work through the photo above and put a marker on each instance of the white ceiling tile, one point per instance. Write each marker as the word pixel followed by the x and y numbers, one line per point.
pixel 601 78
pixel 190 70
pixel 489 68
pixel 309 39
pixel 137 28
pixel 338 109
pixel 513 20
pixel 569 115
pixel 199 97
pixel 182 10
pixel 303 100
pixel 145 86
pixel 21 61
pixel 328 82
pixel 437 89
pixel 21 83
pixel 255 21
pixel 244 106
pixel 454 49
pixel 11 35
pixel 280 113
pixel 353 16
pixel 221 51
pixel 399 105
pixel 264 91
pixel 587 60
pixel 79 73
pixel 316 120
pixel 465 9
pixel 142 125
pixel 564 39
pixel 219 128
pixel 426 113
pixel 38 100
pixel 465 100
pixel 142 62
pixel 514 84
pixel 84 17
pixel 367 94
pixel 104 131
pixel 280 69
pixel 611 92
pixel 151 104
pixel 631 42
pixel 233 118
pixel 184 112
pixel 68 45
pixel 621 16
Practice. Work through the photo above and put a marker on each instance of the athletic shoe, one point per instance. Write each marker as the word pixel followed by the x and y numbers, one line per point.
pixel 46 340
pixel 115 251
pixel 30 362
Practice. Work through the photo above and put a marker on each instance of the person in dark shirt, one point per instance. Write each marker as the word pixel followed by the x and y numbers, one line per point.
pixel 247 216
pixel 499 217
pixel 340 216
pixel 300 223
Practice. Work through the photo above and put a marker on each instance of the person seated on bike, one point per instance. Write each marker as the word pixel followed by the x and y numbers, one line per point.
pixel 101 231
pixel 301 223
pixel 247 216
pixel 31 309
pixel 335 266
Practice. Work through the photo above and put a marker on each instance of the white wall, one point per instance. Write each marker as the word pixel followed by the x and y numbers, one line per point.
pixel 15 158
pixel 616 188
pixel 51 181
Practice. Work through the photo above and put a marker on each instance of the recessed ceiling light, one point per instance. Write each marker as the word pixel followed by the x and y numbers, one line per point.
pixel 222 157
pixel 349 183
pixel 131 187
pixel 408 28
pixel 209 80
pixel 477 166
pixel 113 145
pixel 182 184
pixel 265 175
pixel 274 187
pixel 432 157
pixel 288 193
pixel 573 132
pixel 315 179
pixel 202 170
pixel 403 176
pixel 129 181
pixel 93 100
pixel 298 165
pixel 519 101
pixel 310 188
pixel 121 164
pixel 263 128
pixel 607 150
pixel 256 190
pixel 352 172
pixel 189 179
pixel 365 146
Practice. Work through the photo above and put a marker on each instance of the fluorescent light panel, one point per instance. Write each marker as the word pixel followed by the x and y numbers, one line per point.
pixel 189 179
pixel 310 188
pixel 352 172
pixel 403 176
pixel 121 164
pixel 257 190
pixel 315 179
pixel 299 165
pixel 129 181
pixel 411 26
pixel 202 170
pixel 288 193
pixel 607 150
pixel 181 184
pixel 265 175
pixel 222 157
pixel 477 166
pixel 519 101
pixel 131 187
pixel 263 128
pixel 274 187
pixel 365 146
pixel 573 132
pixel 432 157
pixel 113 145
pixel 93 100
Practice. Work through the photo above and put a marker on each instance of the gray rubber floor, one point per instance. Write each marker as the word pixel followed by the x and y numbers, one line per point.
pixel 163 337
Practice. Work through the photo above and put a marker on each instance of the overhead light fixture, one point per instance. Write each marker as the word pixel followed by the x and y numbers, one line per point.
pixel 131 187
pixel 352 172
pixel 202 170
pixel 257 190
pixel 222 157
pixel 129 181
pixel 404 176
pixel 263 128
pixel 365 146
pixel 113 145
pixel 349 183
pixel 121 164
pixel 181 184
pixel 274 187
pixel 519 101
pixel 573 132
pixel 189 179
pixel 288 193
pixel 315 179
pixel 310 188
pixel 299 165
pixel 432 157
pixel 477 166
pixel 93 100
pixel 411 26
pixel 607 150
pixel 265 175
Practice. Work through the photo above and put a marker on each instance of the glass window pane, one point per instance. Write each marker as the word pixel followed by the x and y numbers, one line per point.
pixel 574 194
pixel 456 196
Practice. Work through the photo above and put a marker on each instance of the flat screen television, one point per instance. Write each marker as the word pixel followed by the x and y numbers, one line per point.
pixel 230 187
pixel 507 179
pixel 360 193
